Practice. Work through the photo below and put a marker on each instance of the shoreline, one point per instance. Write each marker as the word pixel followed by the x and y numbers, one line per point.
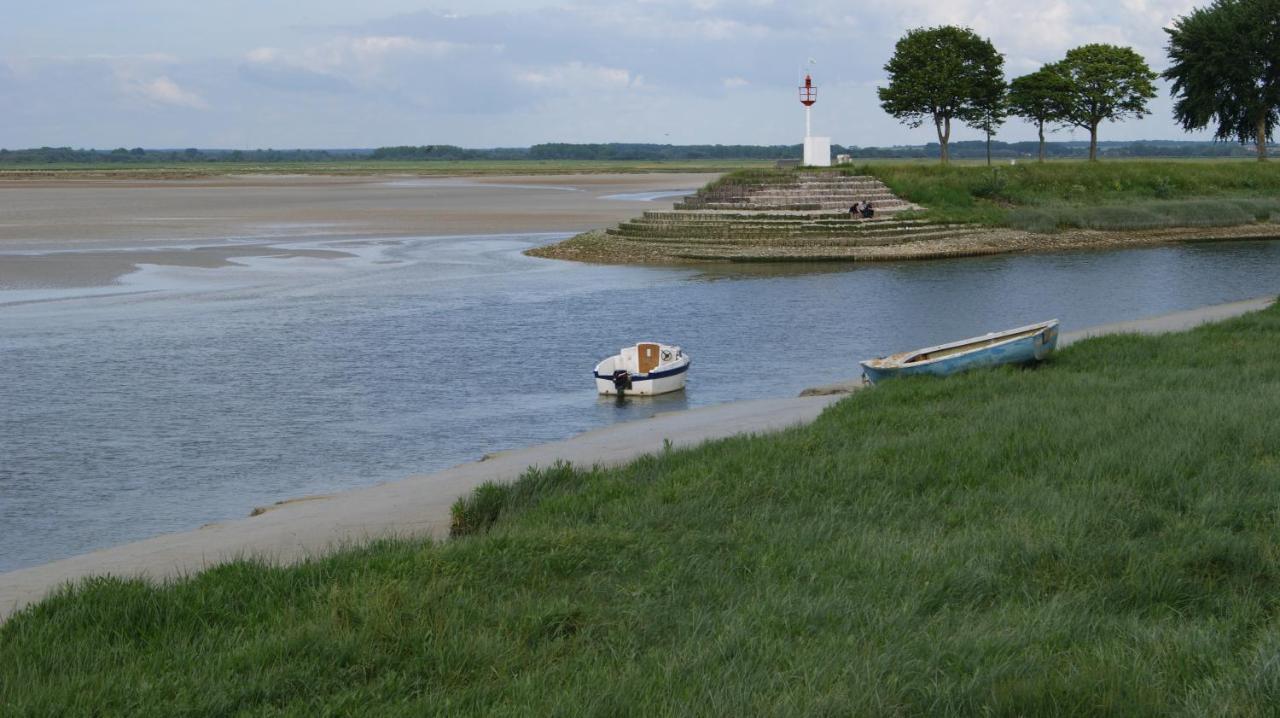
pixel 596 247
pixel 298 528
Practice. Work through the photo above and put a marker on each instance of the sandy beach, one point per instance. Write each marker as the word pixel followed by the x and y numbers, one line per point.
pixel 77 233
pixel 419 506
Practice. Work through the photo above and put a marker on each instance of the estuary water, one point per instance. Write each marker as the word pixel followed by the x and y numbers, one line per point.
pixel 181 396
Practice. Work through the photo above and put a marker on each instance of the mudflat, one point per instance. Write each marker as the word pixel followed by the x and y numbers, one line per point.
pixel 75 232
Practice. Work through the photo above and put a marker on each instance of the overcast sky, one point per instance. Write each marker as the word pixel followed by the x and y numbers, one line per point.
pixel 484 73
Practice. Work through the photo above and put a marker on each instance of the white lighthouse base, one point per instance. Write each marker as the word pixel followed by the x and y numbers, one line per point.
pixel 817 151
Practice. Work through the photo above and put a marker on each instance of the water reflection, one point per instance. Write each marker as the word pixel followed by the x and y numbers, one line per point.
pixel 612 409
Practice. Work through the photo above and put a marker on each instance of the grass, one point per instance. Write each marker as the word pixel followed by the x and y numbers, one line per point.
pixel 358 168
pixel 1152 214
pixel 1098 536
pixel 989 196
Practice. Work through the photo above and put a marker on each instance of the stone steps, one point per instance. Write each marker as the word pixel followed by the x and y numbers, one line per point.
pixel 831 218
pixel 842 221
pixel 837 228
pixel 802 242
pixel 837 200
pixel 667 230
pixel 812 192
pixel 738 215
pixel 777 253
pixel 803 231
pixel 840 187
pixel 805 220
pixel 882 206
pixel 871 194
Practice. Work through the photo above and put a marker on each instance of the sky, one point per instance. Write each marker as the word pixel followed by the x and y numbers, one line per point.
pixel 511 73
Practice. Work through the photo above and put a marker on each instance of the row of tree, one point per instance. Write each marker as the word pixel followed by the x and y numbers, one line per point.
pixel 622 151
pixel 138 155
pixel 1225 71
pixel 639 151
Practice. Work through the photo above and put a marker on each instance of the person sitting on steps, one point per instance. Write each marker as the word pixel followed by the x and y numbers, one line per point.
pixel 867 211
pixel 856 210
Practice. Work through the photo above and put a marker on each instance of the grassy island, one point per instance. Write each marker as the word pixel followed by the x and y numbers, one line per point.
pixel 930 211
pixel 1096 536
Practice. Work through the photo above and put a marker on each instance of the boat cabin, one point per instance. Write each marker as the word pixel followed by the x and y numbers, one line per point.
pixel 642 358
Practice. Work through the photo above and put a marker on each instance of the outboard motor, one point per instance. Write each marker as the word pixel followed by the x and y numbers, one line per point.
pixel 621 380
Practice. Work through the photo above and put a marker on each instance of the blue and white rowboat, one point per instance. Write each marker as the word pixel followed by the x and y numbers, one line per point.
pixel 644 369
pixel 1015 346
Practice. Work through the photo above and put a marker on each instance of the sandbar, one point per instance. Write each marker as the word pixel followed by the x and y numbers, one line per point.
pixel 87 232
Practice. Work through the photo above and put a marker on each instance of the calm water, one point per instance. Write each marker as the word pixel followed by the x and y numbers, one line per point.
pixel 195 395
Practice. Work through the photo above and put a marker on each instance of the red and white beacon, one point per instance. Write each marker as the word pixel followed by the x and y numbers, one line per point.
pixel 817 150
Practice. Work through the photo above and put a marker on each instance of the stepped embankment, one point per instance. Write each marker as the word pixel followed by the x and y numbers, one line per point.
pixel 804 217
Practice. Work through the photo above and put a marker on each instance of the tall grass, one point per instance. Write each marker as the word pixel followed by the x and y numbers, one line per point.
pixel 1143 215
pixel 1098 536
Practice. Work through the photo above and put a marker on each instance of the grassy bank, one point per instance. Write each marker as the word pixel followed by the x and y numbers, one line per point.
pixel 1095 536
pixel 196 170
pixel 931 212
pixel 1103 195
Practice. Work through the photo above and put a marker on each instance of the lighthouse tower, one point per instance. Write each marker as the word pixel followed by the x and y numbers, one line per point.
pixel 817 150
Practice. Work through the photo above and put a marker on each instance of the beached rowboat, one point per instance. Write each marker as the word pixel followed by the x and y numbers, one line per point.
pixel 644 369
pixel 1015 346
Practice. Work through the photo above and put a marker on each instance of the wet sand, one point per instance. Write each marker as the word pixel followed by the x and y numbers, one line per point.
pixel 71 233
pixel 97 268
pixel 419 506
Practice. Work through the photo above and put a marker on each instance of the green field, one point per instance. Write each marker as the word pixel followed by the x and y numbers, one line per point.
pixel 1097 536
pixel 1060 195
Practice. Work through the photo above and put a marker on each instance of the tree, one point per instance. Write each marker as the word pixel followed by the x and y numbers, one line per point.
pixel 1105 82
pixel 992 109
pixel 1040 98
pixel 943 74
pixel 1226 69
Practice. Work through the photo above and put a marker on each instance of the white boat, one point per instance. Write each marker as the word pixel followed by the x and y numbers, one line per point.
pixel 645 369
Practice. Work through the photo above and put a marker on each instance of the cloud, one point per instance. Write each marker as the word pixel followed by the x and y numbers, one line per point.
pixel 261 67
pixel 107 79
pixel 674 70
pixel 343 63
pixel 578 76
pixel 165 91
pixel 412 74
pixel 1036 33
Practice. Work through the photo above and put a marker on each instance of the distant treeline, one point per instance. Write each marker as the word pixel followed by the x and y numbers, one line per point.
pixel 138 155
pixel 614 151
